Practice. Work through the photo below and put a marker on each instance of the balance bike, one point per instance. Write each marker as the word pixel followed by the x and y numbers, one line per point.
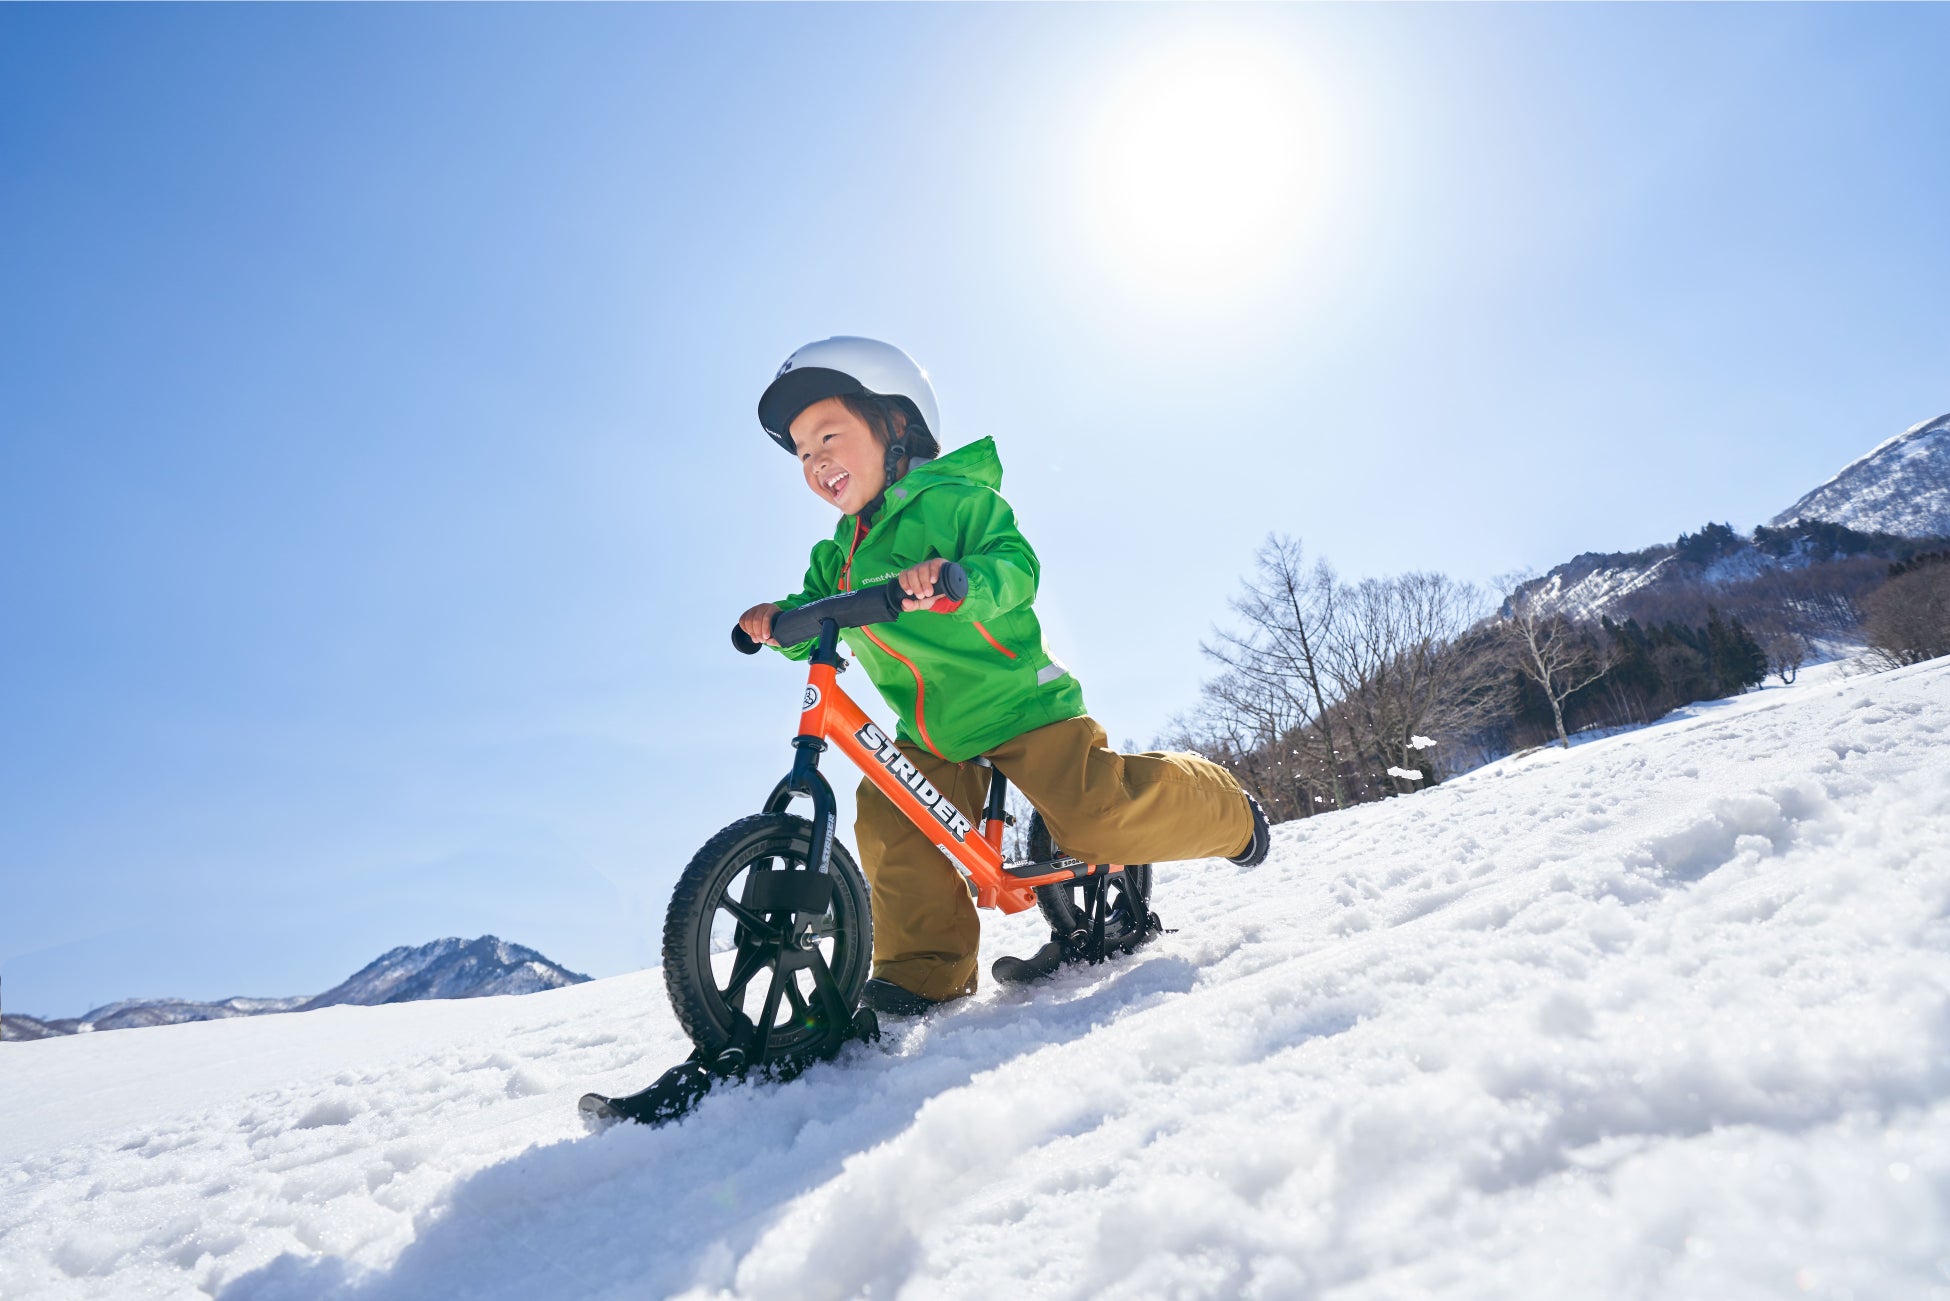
pixel 772 913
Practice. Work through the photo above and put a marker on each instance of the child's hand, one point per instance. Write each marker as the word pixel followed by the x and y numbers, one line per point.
pixel 757 623
pixel 918 583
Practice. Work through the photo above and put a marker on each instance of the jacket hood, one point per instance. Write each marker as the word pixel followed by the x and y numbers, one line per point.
pixel 975 463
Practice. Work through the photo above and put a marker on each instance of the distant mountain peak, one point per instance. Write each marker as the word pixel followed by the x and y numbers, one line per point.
pixel 446 968
pixel 449 968
pixel 1887 504
pixel 1902 486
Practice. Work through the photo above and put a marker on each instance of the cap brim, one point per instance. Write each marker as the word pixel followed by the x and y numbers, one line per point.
pixel 785 397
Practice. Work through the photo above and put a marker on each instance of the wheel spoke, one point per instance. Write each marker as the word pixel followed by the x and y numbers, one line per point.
pixel 751 958
pixel 753 922
pixel 773 993
pixel 769 1017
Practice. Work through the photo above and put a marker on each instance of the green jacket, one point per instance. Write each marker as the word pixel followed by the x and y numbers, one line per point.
pixel 966 680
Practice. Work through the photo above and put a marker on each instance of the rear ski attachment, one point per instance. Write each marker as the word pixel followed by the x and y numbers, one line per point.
pixel 1114 917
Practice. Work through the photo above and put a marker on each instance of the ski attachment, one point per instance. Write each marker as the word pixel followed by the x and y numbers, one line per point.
pixel 678 1090
pixel 1116 918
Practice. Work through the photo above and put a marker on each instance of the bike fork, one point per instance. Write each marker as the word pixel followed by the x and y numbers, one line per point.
pixel 842 1022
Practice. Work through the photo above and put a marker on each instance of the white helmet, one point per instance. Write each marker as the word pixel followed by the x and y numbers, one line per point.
pixel 839 366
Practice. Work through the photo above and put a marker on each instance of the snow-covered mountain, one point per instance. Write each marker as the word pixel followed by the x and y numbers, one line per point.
pixel 449 968
pixel 1888 505
pixel 130 1013
pixel 1716 559
pixel 1663 1015
pixel 1902 487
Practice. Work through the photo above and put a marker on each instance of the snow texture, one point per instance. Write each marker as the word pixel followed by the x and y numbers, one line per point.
pixel 1901 487
pixel 1663 1015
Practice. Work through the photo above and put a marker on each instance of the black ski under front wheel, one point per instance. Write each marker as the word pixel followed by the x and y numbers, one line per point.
pixel 1066 905
pixel 753 932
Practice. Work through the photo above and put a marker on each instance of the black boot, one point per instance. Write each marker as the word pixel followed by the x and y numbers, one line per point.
pixel 889 999
pixel 1256 849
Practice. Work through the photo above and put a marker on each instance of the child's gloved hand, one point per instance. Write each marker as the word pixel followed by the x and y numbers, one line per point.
pixel 918 582
pixel 757 622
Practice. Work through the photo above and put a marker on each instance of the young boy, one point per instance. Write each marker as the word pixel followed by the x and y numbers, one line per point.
pixel 967 679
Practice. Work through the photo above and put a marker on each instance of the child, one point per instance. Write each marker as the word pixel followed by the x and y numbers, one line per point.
pixel 972 678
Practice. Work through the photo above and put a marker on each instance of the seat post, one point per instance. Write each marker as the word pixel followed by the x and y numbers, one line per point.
pixel 997 809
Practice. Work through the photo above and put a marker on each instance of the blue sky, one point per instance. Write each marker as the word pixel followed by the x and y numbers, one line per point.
pixel 378 474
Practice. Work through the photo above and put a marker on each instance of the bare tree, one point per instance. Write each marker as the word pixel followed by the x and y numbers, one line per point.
pixel 1549 648
pixel 1396 663
pixel 1786 653
pixel 1909 616
pixel 1275 670
pixel 1239 727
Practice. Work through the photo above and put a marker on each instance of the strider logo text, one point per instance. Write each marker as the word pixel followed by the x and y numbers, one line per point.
pixel 909 776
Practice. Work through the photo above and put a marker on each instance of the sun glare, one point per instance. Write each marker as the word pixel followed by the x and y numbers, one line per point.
pixel 1202 168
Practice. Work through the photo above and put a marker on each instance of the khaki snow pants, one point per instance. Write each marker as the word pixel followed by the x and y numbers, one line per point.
pixel 1100 806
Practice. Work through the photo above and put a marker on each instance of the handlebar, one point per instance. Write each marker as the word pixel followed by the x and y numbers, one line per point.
pixel 880 603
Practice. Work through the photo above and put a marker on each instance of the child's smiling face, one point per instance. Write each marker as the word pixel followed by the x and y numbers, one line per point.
pixel 843 462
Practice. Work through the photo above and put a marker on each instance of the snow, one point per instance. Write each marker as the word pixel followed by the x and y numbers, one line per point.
pixel 1419 742
pixel 449 968
pixel 1664 1014
pixel 1901 487
pixel 1406 774
pixel 1594 593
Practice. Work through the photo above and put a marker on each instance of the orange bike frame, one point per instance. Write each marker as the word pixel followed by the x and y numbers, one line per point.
pixel 829 715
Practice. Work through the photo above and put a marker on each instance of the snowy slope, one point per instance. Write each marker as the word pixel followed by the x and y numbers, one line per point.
pixel 1664 1015
pixel 1901 487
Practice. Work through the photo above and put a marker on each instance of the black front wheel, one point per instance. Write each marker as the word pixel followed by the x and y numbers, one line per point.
pixel 763 955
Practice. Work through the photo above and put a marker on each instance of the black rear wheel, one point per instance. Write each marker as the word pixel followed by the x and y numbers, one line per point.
pixel 1066 905
pixel 750 927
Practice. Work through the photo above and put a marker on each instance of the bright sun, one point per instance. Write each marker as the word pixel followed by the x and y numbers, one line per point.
pixel 1202 169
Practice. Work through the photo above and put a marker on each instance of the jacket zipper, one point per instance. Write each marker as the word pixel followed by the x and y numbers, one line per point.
pixel 920 687
pixel 920 693
pixel 990 638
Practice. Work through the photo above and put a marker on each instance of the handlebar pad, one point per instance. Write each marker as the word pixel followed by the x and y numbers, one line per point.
pixel 880 603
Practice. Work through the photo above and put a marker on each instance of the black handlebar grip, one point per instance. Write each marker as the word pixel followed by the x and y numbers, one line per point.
pixel 952 582
pixel 880 603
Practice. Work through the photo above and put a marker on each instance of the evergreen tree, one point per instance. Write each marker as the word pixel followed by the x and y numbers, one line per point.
pixel 1746 660
pixel 1736 661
